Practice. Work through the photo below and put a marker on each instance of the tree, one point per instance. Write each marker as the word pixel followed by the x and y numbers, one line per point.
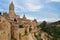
pixel 43 24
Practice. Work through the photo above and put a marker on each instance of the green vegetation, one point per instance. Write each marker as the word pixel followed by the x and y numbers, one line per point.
pixel 43 24
pixel 54 31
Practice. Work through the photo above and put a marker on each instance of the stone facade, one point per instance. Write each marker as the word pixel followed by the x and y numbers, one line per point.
pixel 5 29
pixel 12 27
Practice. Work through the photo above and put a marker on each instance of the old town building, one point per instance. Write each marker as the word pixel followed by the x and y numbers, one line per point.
pixel 12 27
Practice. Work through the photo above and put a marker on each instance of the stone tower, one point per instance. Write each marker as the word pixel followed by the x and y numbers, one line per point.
pixel 24 17
pixel 11 7
pixel 11 10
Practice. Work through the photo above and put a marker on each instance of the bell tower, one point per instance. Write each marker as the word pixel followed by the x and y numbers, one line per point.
pixel 24 17
pixel 11 10
pixel 11 7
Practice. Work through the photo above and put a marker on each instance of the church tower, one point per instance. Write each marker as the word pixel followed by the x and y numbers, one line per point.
pixel 11 7
pixel 11 10
pixel 24 17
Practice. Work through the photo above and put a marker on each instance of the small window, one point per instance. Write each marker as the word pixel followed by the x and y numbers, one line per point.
pixel 20 26
pixel 15 20
pixel 30 29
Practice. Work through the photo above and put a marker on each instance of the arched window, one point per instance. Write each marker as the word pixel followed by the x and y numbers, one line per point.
pixel 30 29
pixel 20 26
pixel 15 20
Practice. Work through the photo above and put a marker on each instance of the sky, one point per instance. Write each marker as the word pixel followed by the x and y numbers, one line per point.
pixel 41 10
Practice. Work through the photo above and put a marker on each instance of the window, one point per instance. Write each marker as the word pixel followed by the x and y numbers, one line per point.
pixel 30 29
pixel 15 20
pixel 20 26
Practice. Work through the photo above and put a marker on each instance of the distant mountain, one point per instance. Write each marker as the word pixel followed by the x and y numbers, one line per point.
pixel 58 22
pixel 55 23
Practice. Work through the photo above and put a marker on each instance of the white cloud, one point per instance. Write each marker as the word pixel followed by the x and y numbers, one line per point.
pixel 44 19
pixel 49 19
pixel 30 17
pixel 32 7
pixel 29 5
pixel 19 8
pixel 53 0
